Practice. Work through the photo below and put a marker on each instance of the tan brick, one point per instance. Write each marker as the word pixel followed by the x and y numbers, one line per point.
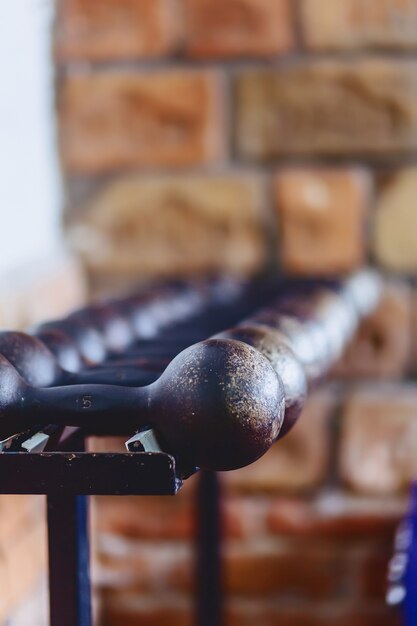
pixel 115 29
pixel 229 28
pixel 414 330
pixel 395 222
pixel 296 463
pixel 337 516
pixel 146 567
pixel 6 605
pixel 22 550
pixel 119 120
pixel 378 439
pixel 17 514
pixel 33 610
pixel 327 108
pixel 381 348
pixel 152 226
pixel 322 215
pixel 25 562
pixel 349 24
pixel 45 288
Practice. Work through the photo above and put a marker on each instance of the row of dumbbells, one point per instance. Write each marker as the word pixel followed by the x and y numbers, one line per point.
pixel 220 403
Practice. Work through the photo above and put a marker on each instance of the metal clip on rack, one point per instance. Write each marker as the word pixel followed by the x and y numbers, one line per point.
pixel 143 367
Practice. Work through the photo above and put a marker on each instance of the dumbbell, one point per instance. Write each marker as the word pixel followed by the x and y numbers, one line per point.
pixel 284 362
pixel 219 405
pixel 39 367
pixel 63 347
pixel 94 331
pixel 85 336
pixel 89 335
pixel 304 333
pixel 85 339
pixel 174 301
pixel 318 327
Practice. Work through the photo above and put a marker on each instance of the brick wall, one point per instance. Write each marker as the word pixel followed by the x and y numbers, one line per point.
pixel 199 135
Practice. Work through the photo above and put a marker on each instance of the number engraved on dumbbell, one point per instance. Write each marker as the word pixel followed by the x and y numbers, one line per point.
pixel 87 402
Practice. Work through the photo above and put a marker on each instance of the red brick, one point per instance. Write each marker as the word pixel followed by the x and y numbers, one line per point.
pixel 145 517
pixel 106 444
pixel 164 518
pixel 298 462
pixel 372 575
pixel 322 215
pixel 306 571
pixel 350 24
pixel 327 108
pixel 97 30
pixel 230 28
pixel 119 120
pixel 378 442
pixel 173 225
pixel 244 613
pixel 244 517
pixel 336 516
pixel 129 609
pixel 381 348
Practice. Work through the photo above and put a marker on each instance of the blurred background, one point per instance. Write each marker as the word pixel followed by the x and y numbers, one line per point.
pixel 152 138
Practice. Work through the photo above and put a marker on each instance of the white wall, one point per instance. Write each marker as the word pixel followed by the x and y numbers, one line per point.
pixel 29 181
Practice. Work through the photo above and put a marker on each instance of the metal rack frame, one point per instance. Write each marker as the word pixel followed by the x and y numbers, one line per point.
pixel 68 479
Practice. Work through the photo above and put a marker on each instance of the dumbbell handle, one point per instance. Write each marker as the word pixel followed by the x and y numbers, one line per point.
pixel 102 409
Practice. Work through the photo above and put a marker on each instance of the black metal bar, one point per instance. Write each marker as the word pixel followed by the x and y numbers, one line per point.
pixel 208 552
pixel 81 473
pixel 69 556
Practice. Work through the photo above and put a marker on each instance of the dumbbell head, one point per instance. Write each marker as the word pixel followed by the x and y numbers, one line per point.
pixel 12 389
pixel 272 345
pixel 31 358
pixel 63 347
pixel 89 341
pixel 116 330
pixel 307 340
pixel 220 405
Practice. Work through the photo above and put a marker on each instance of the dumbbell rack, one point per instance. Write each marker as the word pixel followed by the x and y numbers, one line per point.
pixel 68 478
pixel 68 474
